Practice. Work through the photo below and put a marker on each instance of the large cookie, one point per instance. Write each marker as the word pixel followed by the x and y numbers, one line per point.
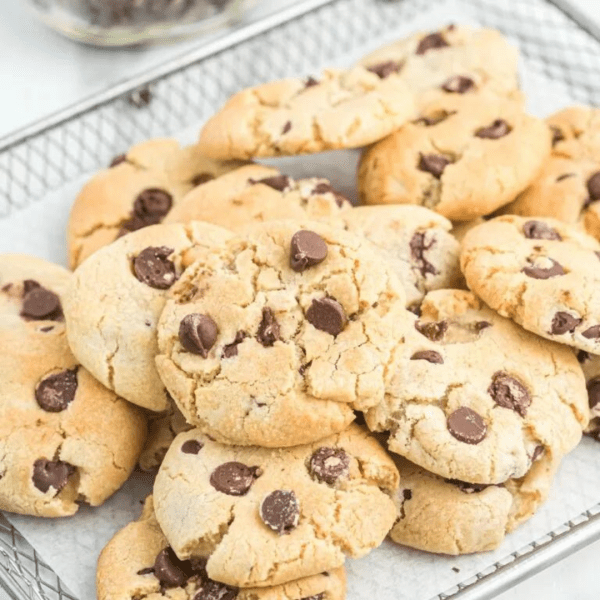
pixel 462 160
pixel 139 563
pixel 257 193
pixel 453 517
pixel 275 340
pixel 116 299
pixel 456 60
pixel 541 273
pixel 343 109
pixel 415 241
pixel 474 397
pixel 265 517
pixel 139 189
pixel 64 438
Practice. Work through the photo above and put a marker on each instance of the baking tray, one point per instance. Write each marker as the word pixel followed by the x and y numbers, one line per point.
pixel 552 35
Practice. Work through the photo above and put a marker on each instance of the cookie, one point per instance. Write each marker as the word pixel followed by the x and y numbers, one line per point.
pixel 473 397
pixel 139 189
pixel 116 299
pixel 453 517
pixel 257 193
pixel 139 563
pixel 455 61
pixel 265 517
pixel 65 440
pixel 541 273
pixel 342 109
pixel 275 340
pixel 590 364
pixel 463 160
pixel 415 241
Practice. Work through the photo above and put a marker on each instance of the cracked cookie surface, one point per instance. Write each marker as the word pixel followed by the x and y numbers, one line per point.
pixel 462 159
pixel 138 190
pixel 65 439
pixel 276 339
pixel 342 109
pixel 541 273
pixel 473 397
pixel 139 564
pixel 116 298
pixel 267 516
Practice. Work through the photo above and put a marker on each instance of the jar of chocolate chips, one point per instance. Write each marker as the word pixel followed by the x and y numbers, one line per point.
pixel 132 22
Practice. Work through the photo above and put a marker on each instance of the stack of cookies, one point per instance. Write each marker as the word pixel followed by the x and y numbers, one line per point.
pixel 252 318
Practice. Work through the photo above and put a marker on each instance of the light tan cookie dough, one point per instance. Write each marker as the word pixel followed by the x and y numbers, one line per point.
pixel 265 517
pixel 541 273
pixel 139 564
pixel 275 340
pixel 415 241
pixel 64 438
pixel 453 517
pixel 139 189
pixel 463 160
pixel 454 61
pixel 342 109
pixel 590 364
pixel 115 301
pixel 256 193
pixel 474 397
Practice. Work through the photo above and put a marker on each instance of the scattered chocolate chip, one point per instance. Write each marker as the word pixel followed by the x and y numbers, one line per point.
pixel 328 465
pixel 47 329
pixel 467 426
pixel 278 182
pixel 539 450
pixel 140 98
pixel 231 350
pixel 407 494
pixel 307 249
pixel 234 478
pixel 433 330
pixel 213 590
pixel 498 129
pixel 468 488
pixel 554 270
pixel 117 160
pixel 202 178
pixel 432 41
pixel 268 330
pixel 563 322
pixel 198 333
pixel 51 473
pixel 592 333
pixel 481 325
pixel 310 82
pixel 280 511
pixel 191 447
pixel 538 230
pixel 325 188
pixel 286 127
pixel 557 135
pixel 593 186
pixel 434 118
pixel 149 208
pixel 429 355
pixel 327 314
pixel 593 389
pixel 509 392
pixel 582 356
pixel 385 69
pixel 458 84
pixel 153 267
pixel 565 176
pixel 146 571
pixel 415 308
pixel 170 571
pixel 418 247
pixel 55 392
pixel 434 164
pixel 40 304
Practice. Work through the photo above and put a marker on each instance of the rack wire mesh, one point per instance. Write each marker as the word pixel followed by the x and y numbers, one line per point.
pixel 190 89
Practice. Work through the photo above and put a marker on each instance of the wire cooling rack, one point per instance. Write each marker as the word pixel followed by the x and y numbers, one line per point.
pixel 551 34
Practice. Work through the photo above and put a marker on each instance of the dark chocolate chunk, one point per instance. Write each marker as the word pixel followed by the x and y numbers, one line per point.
pixel 170 571
pixel 429 355
pixel 41 304
pixel 593 389
pixel 325 188
pixel 234 478
pixel 117 160
pixel 509 392
pixel 280 511
pixel 433 41
pixel 593 186
pixel 329 464
pixel 592 333
pixel 307 249
pixel 458 84
pixel 286 127
pixel 327 314
pixel 433 330
pixel 467 426
pixel 198 333
pixel 554 270
pixel 498 129
pixel 563 323
pixel 191 447
pixel 202 178
pixel 268 330
pixel 55 392
pixel 418 248
pixel 153 267
pixel 213 590
pixel 538 230
pixel 278 182
pixel 51 473
pixel 434 164
pixel 385 69
pixel 231 350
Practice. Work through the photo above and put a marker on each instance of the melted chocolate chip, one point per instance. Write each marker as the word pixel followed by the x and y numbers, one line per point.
pixel 51 474
pixel 592 333
pixel 433 41
pixel 563 323
pixel 509 392
pixel 268 330
pixel 198 334
pixel 231 350
pixel 117 160
pixel 55 392
pixel 433 164
pixel 583 356
pixel 191 447
pixel 153 267
pixel 434 118
pixel 310 82
pixel 40 304
pixel 234 478
pixel 385 69
pixel 286 127
pixel 327 314
pixel 307 249
pixel 213 590
pixel 433 330
pixel 418 247
pixel 539 450
pixel 280 511
pixel 593 389
pixel 202 178
pixel 327 465
pixel 458 84
pixel 149 208
pixel 538 230
pixel 593 186
pixel 429 355
pixel 325 188
pixel 278 182
pixel 554 270
pixel 407 494
pixel 498 129
pixel 467 426
pixel 170 571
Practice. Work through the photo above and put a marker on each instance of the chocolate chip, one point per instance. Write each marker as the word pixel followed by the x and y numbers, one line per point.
pixel 191 447
pixel 433 330
pixel 563 322
pixel 385 69
pixel 41 304
pixel 51 473
pixel 498 129
pixel 286 127
pixel 458 84
pixel 146 571
pixel 149 208
pixel 170 571
pixel 328 465
pixel 213 590
pixel 431 42
pixel 538 230
pixel 153 267
pixel 418 247
pixel 28 285
pixel 429 355
pixel 467 426
pixel 434 118
pixel 468 488
pixel 310 82
pixel 565 176
pixel 234 478
pixel 198 333
pixel 231 350
pixel 117 160
pixel 325 188
pixel 279 182
pixel 592 333
pixel 434 164
pixel 583 356
pixel 509 392
pixel 593 186
pixel 280 511
pixel 407 494
pixel 593 389
pixel 327 314
pixel 268 330
pixel 554 270
pixel 557 135
pixel 202 178
pixel 481 325
pixel 55 392
pixel 307 249
pixel 415 308
pixel 538 451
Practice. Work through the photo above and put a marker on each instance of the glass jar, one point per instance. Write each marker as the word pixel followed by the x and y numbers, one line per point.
pixel 131 22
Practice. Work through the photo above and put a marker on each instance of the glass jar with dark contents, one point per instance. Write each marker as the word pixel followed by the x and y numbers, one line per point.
pixel 131 22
